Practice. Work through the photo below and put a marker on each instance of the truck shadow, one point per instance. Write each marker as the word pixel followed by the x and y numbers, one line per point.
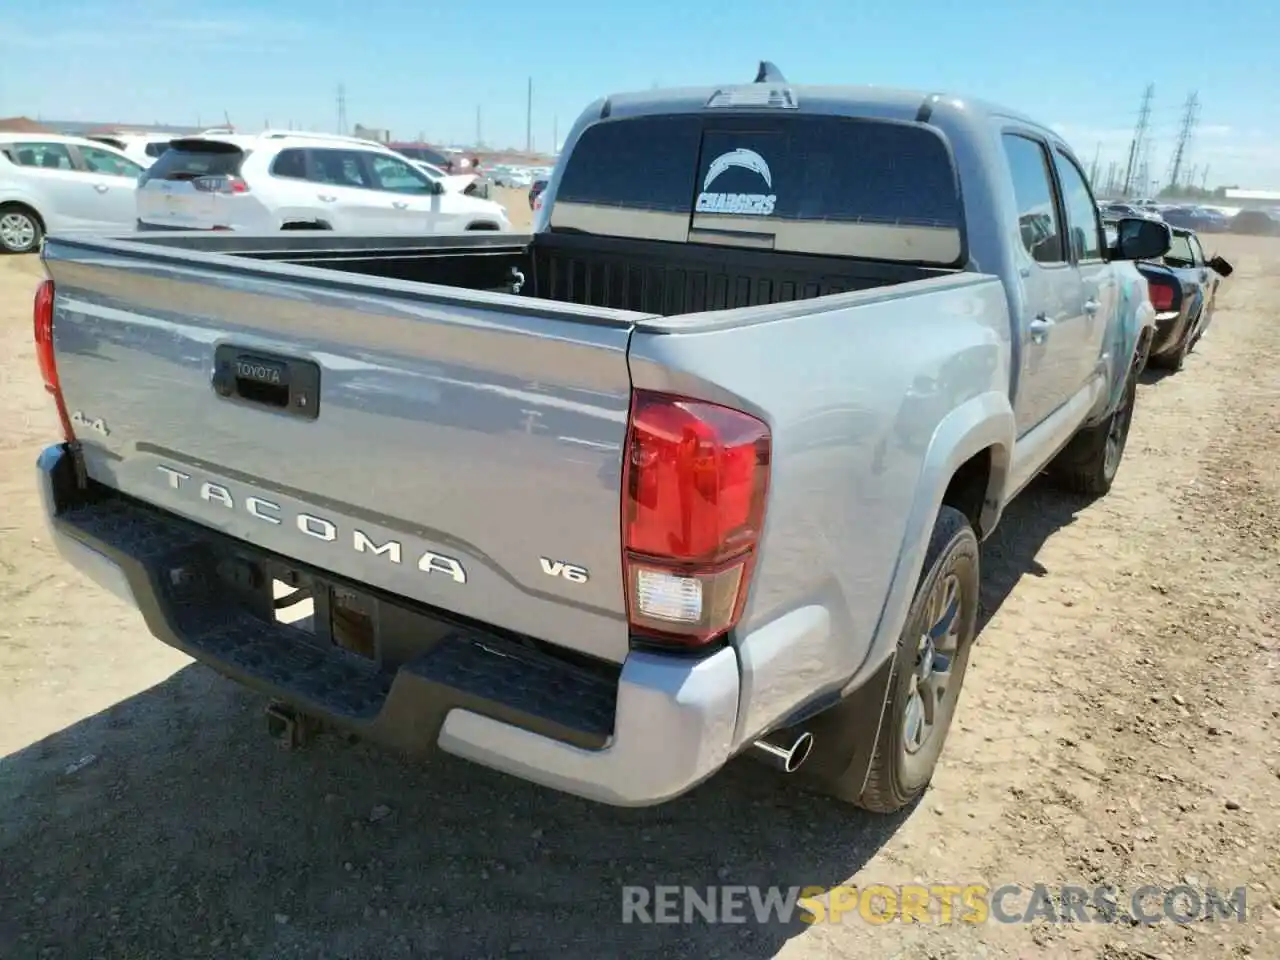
pixel 1010 553
pixel 171 825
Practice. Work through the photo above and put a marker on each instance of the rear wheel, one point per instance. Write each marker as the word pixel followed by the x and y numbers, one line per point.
pixel 1175 358
pixel 928 671
pixel 20 229
pixel 1089 463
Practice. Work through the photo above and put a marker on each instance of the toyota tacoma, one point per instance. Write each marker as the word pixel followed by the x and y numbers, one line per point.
pixel 698 468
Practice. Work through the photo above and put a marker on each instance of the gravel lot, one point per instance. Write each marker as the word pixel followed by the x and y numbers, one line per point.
pixel 1119 725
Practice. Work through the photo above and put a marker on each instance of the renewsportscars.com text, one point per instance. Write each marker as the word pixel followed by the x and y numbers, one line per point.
pixel 935 903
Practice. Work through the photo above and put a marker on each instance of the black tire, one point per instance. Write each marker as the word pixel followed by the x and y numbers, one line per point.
pixel 21 229
pixel 1175 358
pixel 1199 332
pixel 1089 463
pixel 947 593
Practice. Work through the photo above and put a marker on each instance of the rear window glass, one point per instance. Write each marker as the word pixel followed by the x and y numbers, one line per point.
pixel 187 160
pixel 155 149
pixel 825 185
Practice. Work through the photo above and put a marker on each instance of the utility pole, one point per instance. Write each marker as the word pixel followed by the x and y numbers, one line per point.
pixel 528 119
pixel 1204 178
pixel 1138 145
pixel 342 109
pixel 1093 170
pixel 1190 112
pixel 555 134
pixel 479 128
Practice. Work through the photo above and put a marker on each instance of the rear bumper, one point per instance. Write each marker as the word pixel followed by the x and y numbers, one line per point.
pixel 655 729
pixel 1169 330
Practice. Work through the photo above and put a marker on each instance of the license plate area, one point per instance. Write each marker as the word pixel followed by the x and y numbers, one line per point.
pixel 330 615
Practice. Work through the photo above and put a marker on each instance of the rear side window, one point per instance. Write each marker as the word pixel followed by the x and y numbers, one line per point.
pixel 872 189
pixel 340 168
pixel 1038 223
pixel 47 156
pixel 291 164
pixel 1082 214
pixel 191 159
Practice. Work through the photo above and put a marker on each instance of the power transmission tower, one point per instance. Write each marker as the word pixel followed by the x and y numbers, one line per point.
pixel 1093 170
pixel 1190 113
pixel 342 109
pixel 1138 145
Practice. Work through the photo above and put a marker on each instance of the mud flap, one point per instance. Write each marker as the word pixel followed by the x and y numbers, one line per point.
pixel 845 735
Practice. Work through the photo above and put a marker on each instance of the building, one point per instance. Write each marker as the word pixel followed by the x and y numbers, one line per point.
pixel 23 125
pixel 1253 197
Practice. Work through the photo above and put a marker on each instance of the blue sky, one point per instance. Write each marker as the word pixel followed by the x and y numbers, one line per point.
pixel 425 67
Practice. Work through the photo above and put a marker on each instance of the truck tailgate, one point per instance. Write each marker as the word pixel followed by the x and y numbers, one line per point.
pixel 453 449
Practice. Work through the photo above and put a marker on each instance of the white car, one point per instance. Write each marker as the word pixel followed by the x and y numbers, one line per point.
pixel 145 148
pixel 452 182
pixel 51 183
pixel 282 180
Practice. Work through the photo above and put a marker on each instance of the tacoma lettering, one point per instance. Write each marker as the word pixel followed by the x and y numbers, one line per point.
pixel 324 530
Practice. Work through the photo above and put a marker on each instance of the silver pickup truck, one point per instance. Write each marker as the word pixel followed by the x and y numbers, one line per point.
pixel 699 468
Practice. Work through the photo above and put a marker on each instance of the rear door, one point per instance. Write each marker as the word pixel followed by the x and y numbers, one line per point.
pixel 1099 286
pixel 115 183
pixel 1052 293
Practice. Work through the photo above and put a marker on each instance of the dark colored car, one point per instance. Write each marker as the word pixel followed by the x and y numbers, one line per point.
pixel 1199 219
pixel 1183 287
pixel 1257 223
pixel 535 191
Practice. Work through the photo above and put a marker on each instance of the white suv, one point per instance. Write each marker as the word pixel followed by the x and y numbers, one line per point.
pixel 142 147
pixel 55 183
pixel 280 180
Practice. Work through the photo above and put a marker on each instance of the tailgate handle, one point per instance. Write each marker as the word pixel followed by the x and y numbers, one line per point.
pixel 284 384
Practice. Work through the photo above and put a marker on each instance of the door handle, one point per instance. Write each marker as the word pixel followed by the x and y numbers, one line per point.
pixel 327 197
pixel 101 187
pixel 399 204
pixel 1040 328
pixel 1092 306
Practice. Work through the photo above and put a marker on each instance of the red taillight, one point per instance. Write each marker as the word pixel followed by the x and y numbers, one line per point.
pixel 220 184
pixel 695 477
pixel 1162 295
pixel 44 353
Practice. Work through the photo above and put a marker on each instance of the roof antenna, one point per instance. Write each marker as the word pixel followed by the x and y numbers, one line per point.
pixel 769 73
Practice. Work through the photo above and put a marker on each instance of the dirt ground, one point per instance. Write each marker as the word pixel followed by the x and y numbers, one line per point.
pixel 1119 725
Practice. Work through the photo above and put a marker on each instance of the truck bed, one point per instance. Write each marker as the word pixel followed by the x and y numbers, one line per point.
pixel 651 277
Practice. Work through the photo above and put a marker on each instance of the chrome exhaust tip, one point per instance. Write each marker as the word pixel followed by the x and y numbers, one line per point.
pixel 784 751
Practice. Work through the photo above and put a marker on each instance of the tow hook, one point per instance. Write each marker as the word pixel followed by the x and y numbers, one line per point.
pixel 291 728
